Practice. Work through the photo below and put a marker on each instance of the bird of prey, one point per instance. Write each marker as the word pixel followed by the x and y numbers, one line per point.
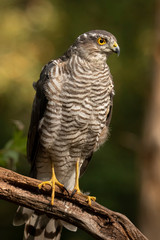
pixel 70 119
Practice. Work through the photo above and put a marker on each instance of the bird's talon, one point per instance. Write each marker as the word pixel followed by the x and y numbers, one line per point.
pixel 65 189
pixel 52 182
pixel 44 183
pixel 60 185
pixel 89 198
pixel 77 189
pixel 73 192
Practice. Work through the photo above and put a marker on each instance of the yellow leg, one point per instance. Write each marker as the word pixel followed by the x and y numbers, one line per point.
pixel 76 186
pixel 52 182
pixel 77 189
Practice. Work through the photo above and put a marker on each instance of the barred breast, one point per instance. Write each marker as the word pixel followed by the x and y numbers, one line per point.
pixel 75 118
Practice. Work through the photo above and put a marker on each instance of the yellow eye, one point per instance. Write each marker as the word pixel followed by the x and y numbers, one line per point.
pixel 101 41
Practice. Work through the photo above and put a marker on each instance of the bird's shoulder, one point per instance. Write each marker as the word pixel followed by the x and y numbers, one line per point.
pixel 47 72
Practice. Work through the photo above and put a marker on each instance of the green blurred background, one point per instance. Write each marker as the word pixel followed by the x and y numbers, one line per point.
pixel 32 32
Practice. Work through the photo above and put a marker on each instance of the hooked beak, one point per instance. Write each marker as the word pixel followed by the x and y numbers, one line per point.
pixel 115 48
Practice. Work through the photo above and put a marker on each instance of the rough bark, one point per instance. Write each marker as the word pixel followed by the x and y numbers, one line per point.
pixel 97 220
pixel 150 150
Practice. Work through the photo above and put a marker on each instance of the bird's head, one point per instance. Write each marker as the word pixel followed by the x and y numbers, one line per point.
pixel 96 45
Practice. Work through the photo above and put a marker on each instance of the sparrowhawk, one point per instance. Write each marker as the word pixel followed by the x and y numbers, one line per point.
pixel 70 119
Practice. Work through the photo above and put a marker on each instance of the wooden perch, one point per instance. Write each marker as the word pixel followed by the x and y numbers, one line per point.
pixel 96 220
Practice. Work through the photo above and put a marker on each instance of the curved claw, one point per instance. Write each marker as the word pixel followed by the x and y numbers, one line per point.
pixel 73 192
pixel 64 188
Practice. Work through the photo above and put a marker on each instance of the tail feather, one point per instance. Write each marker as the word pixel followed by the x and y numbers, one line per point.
pixel 69 226
pixel 37 226
pixel 41 227
pixel 22 215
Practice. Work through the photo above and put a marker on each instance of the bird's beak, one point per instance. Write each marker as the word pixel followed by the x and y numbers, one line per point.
pixel 115 48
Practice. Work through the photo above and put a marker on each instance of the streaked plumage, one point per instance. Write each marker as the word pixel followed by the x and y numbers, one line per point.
pixel 70 118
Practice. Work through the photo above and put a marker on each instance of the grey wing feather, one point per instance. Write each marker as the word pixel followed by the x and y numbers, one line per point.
pixel 38 109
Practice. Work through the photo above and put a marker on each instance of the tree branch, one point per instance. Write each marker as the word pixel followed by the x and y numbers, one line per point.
pixel 96 220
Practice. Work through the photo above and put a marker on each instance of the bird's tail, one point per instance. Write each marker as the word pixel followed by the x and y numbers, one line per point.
pixel 37 227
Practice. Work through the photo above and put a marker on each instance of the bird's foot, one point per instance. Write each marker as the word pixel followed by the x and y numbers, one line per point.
pixel 88 198
pixel 52 182
pixel 77 189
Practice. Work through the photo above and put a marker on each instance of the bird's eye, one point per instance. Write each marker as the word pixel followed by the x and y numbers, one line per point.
pixel 101 41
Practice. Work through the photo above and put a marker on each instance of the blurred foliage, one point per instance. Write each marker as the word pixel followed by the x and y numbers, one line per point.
pixel 36 31
pixel 15 148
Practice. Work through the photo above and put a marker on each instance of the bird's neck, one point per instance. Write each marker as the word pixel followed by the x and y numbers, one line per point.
pixel 91 63
pixel 97 60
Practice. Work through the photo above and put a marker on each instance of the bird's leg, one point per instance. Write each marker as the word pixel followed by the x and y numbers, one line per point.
pixel 52 182
pixel 77 189
pixel 76 186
